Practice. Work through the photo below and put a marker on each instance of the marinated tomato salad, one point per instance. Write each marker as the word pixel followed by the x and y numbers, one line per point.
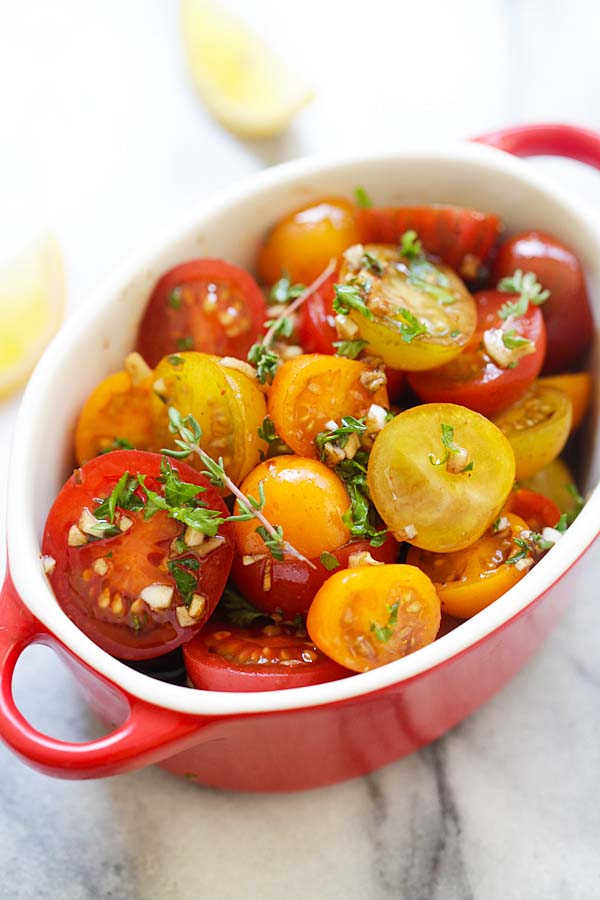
pixel 318 471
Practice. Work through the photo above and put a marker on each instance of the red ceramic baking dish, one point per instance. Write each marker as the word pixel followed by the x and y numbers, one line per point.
pixel 309 736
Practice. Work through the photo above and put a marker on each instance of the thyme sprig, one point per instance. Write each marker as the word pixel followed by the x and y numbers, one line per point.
pixel 190 434
pixel 529 290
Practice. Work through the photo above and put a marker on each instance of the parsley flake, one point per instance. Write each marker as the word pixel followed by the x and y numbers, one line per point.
pixel 350 349
pixel 349 296
pixel 362 198
pixel 383 633
pixel 527 287
pixel 283 291
pixel 329 561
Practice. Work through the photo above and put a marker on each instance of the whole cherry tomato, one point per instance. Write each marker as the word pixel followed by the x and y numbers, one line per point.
pixel 137 583
pixel 483 382
pixel 207 305
pixel 567 312
pixel 303 242
pixel 292 583
pixel 263 658
pixel 538 511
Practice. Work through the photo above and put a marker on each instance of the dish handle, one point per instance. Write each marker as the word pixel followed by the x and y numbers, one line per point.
pixel 148 734
pixel 551 139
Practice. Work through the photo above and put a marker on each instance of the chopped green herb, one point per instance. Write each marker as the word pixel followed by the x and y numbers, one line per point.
pixel 410 326
pixel 273 542
pixel 283 327
pixel 579 503
pixel 513 341
pixel 267 431
pixel 174 300
pixel 283 291
pixel 175 360
pixel 339 436
pixel 529 290
pixel 122 496
pixel 410 245
pixel 329 561
pixel 383 633
pixel 180 503
pixel 185 579
pixel 117 444
pixel 563 523
pixel 362 198
pixel 238 611
pixel 372 263
pixel 266 362
pixel 350 349
pixel 185 343
pixel 349 296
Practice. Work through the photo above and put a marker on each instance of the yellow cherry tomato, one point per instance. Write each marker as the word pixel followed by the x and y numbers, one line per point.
pixel 302 243
pixel 419 315
pixel 578 387
pixel 311 390
pixel 304 497
pixel 116 414
pixel 555 481
pixel 439 475
pixel 371 615
pixel 537 427
pixel 194 383
pixel 469 580
pixel 253 409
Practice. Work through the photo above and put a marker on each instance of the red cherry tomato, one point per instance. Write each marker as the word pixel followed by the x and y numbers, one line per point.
pixel 100 583
pixel 473 379
pixel 293 583
pixel 538 511
pixel 567 312
pixel 462 238
pixel 207 305
pixel 316 329
pixel 226 658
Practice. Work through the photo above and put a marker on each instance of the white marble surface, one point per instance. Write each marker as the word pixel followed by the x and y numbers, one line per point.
pixel 102 139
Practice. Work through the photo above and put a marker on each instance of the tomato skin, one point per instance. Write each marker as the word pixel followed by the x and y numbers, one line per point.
pixel 136 561
pixel 469 580
pixel 227 325
pixel 293 582
pixel 567 312
pixel 552 481
pixel 578 387
pixel 303 242
pixel 462 238
pixel 538 511
pixel 209 670
pixel 353 607
pixel 473 379
pixel 316 331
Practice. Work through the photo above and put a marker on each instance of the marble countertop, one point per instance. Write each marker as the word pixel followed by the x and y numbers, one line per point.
pixel 102 139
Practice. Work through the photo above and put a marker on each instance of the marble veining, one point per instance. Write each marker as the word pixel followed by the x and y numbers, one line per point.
pixel 102 138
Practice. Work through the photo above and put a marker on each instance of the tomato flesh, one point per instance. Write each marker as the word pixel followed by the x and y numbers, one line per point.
pixel 99 583
pixel 462 238
pixel 226 658
pixel 292 582
pixel 207 305
pixel 473 378
pixel 567 311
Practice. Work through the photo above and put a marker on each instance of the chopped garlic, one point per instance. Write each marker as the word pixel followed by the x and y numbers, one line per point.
pixel 353 256
pixel 183 617
pixel 407 533
pixel 208 546
pixel 88 523
pixel 160 388
pixel 375 418
pixel 352 445
pixel 157 596
pixel 523 564
pixel 137 368
pixel 503 356
pixel 125 523
pixel 192 537
pixel 250 558
pixel 331 425
pixel 197 605
pixel 345 327
pixel 230 362
pixel 373 379
pixel 332 455
pixel 362 558
pixel 100 566
pixel 551 534
pixel 76 537
pixel 503 524
pixel 48 564
pixel 458 461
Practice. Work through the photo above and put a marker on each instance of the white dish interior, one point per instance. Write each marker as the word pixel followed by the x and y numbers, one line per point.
pixel 94 343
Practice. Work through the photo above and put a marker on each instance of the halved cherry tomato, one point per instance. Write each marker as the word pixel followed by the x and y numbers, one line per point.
pixel 578 387
pixel 252 407
pixel 102 583
pixel 304 497
pixel 226 658
pixel 292 582
pixel 311 390
pixel 473 378
pixel 439 474
pixel 371 615
pixel 117 410
pixel 463 238
pixel 555 481
pixel 316 328
pixel 471 579
pixel 302 243
pixel 537 427
pixel 207 305
pixel 538 511
pixel 194 383
pixel 417 315
pixel 567 312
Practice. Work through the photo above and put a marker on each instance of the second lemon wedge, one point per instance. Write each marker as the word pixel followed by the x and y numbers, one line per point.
pixel 242 82
pixel 32 299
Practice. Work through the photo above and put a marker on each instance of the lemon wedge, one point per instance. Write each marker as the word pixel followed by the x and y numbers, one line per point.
pixel 243 83
pixel 32 299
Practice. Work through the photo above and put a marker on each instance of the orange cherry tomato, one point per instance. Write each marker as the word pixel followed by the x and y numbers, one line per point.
pixel 439 474
pixel 537 427
pixel 469 580
pixel 115 415
pixel 539 512
pixel 304 497
pixel 311 390
pixel 302 243
pixel 371 615
pixel 557 482
pixel 578 387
